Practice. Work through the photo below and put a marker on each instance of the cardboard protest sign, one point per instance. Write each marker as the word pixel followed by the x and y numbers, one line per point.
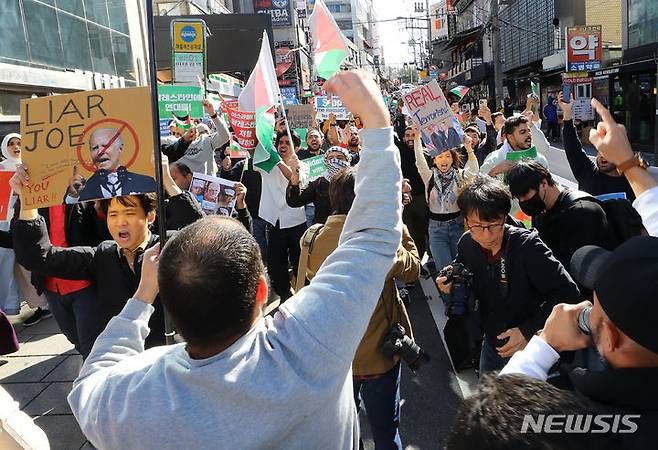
pixel 215 195
pixel 325 105
pixel 300 116
pixel 181 101
pixel 316 167
pixel 5 195
pixel 87 146
pixel 431 113
pixel 243 124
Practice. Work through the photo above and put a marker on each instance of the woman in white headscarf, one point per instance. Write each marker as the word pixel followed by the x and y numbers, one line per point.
pixel 16 283
pixel 11 152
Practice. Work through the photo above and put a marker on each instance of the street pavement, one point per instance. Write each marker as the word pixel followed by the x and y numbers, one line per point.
pixel 40 374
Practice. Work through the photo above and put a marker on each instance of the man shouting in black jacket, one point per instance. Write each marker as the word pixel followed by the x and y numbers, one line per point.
pixel 516 278
pixel 113 267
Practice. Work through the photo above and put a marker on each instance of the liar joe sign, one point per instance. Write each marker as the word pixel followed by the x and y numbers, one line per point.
pixel 584 48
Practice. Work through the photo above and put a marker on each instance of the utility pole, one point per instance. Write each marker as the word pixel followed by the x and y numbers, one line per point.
pixel 430 50
pixel 497 58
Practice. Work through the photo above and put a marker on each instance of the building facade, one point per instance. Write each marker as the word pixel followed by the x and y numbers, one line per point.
pixel 56 47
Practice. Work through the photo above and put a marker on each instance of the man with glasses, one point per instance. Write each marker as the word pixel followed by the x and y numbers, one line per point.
pixel 516 278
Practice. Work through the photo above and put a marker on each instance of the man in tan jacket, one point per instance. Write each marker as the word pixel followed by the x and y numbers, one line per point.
pixel 376 377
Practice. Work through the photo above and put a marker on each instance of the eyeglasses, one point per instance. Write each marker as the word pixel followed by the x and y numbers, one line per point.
pixel 479 229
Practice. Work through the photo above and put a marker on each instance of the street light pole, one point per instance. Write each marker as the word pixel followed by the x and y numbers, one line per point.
pixel 497 59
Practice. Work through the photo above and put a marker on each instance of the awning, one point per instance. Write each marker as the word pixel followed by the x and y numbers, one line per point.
pixel 462 37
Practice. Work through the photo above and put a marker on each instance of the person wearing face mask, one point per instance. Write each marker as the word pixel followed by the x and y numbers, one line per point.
pixel 443 182
pixel 566 220
pixel 317 191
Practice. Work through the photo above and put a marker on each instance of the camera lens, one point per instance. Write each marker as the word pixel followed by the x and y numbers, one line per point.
pixel 583 321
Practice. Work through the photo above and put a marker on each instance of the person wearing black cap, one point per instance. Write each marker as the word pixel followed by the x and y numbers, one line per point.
pixel 620 324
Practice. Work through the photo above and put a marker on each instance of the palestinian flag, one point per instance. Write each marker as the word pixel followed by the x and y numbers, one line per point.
pixel 329 43
pixel 460 91
pixel 184 123
pixel 261 95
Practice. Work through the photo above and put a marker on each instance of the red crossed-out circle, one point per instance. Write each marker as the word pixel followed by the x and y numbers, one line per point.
pixel 122 126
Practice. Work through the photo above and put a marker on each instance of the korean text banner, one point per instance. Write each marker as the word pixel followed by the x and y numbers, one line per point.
pixel 431 113
pixel 86 146
pixel 584 48
pixel 181 101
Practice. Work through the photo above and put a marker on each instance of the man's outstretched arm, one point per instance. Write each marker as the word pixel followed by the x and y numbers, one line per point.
pixel 335 308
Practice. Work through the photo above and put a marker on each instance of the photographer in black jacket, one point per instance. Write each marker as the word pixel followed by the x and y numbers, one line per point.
pixel 566 220
pixel 516 278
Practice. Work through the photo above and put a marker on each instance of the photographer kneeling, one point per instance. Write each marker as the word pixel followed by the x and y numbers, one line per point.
pixel 516 278
pixel 620 323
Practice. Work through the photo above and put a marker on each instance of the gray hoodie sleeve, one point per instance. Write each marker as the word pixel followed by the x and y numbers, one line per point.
pixel 334 310
pixel 221 134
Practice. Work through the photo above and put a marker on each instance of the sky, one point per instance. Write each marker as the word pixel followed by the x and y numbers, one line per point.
pixel 391 35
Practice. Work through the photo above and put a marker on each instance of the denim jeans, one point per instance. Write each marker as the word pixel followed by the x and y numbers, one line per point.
pixel 490 360
pixel 79 316
pixel 444 236
pixel 381 397
pixel 260 234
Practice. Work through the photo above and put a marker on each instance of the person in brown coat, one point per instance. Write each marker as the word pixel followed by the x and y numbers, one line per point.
pixel 376 376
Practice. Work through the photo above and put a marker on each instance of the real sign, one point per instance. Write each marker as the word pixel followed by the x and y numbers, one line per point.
pixel 584 48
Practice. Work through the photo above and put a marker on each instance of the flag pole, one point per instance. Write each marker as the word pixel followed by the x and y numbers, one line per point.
pixel 153 83
pixel 285 121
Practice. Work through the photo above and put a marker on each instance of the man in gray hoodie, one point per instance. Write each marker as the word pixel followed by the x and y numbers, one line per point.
pixel 242 380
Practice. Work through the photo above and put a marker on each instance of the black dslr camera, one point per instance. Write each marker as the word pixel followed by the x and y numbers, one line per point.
pixel 396 342
pixel 461 278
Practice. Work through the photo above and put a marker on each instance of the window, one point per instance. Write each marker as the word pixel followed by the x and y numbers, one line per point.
pixel 117 13
pixel 123 56
pixel 642 22
pixel 12 45
pixel 75 42
pixel 97 11
pixel 101 50
pixel 72 6
pixel 43 33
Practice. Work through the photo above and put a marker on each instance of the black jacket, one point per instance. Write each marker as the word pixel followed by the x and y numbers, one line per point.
pixel 409 169
pixel 109 272
pixel 574 221
pixel 624 391
pixel 590 178
pixel 536 282
pixel 317 192
pixel 131 183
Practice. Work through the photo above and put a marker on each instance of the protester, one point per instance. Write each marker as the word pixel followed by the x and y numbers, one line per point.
pixel 17 279
pixel 414 215
pixel 352 143
pixel 200 155
pixel 317 191
pixel 621 326
pixel 482 146
pixel 519 134
pixel 443 182
pixel 566 220
pixel 113 266
pixel 550 112
pixel 241 212
pixel 612 143
pixel 286 377
pixel 285 225
pixel 516 278
pixel 595 178
pixel 376 375
pixel 181 174
pixel 314 144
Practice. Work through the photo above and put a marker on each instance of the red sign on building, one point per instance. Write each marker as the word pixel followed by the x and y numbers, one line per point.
pixel 584 48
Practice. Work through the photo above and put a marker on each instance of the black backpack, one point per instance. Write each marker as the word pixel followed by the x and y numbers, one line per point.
pixel 625 221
